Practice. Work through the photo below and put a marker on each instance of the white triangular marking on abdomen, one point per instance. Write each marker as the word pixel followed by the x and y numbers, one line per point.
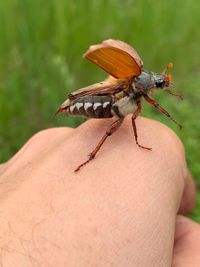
pixel 87 105
pixel 79 105
pixel 71 108
pixel 105 104
pixel 96 105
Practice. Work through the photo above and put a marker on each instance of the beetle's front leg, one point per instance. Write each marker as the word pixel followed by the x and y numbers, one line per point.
pixel 161 109
pixel 174 94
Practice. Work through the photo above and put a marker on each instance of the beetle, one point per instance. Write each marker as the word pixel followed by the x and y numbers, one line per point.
pixel 121 93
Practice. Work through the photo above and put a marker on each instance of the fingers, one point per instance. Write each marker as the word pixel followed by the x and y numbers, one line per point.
pixel 189 196
pixel 187 243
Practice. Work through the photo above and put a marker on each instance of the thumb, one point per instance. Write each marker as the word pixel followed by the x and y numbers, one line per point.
pixel 187 243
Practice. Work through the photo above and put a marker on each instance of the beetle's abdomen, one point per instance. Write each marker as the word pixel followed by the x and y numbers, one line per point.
pixel 91 107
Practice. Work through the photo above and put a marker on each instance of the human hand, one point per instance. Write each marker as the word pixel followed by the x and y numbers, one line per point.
pixel 187 243
pixel 119 210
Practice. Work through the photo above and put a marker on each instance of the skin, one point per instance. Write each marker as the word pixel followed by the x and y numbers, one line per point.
pixel 119 210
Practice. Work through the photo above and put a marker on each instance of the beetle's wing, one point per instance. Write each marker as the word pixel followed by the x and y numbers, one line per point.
pixel 116 57
pixel 127 48
pixel 109 86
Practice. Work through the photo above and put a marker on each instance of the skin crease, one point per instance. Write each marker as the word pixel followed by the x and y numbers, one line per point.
pixel 119 210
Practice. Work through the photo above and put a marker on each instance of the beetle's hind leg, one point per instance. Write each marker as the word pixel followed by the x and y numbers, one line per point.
pixel 135 115
pixel 113 128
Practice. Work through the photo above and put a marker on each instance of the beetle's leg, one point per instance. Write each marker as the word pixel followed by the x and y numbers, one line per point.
pixel 113 128
pixel 135 115
pixel 156 105
pixel 174 94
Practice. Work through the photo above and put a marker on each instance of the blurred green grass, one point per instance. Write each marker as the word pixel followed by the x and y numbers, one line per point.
pixel 41 45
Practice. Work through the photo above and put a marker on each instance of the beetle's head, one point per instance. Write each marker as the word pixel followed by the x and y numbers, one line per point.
pixel 163 80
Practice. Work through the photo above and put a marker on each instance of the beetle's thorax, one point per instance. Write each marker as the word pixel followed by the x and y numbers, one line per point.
pixel 144 82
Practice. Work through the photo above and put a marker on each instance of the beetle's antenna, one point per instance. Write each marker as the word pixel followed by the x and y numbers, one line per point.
pixel 166 70
pixel 168 76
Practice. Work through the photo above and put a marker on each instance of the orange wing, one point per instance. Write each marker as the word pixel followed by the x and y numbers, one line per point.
pixel 117 58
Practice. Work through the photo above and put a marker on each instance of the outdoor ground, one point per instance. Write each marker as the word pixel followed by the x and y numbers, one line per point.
pixel 41 47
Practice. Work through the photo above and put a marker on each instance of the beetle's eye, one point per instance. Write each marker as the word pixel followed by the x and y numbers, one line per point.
pixel 160 83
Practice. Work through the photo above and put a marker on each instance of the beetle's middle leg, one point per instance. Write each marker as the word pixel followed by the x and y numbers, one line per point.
pixel 135 115
pixel 113 128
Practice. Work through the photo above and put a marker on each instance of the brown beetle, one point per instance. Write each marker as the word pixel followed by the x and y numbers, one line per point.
pixel 121 93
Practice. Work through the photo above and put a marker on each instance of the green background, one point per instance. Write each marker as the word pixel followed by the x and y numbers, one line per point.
pixel 41 45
